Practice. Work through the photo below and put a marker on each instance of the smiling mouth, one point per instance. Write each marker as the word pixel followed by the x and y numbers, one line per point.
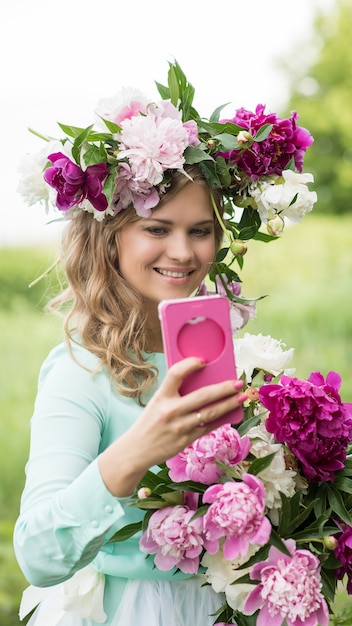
pixel 173 274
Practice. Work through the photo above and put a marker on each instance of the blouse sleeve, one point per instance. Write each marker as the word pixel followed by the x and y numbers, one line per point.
pixel 66 510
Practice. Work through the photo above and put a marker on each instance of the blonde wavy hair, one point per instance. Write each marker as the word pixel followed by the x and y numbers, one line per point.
pixel 101 310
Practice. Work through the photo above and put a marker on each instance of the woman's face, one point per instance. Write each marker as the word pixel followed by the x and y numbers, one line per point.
pixel 168 255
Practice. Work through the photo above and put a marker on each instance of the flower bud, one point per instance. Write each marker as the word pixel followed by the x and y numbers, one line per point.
pixel 238 247
pixel 252 393
pixel 330 542
pixel 275 226
pixel 144 492
pixel 211 144
pixel 244 137
pixel 291 462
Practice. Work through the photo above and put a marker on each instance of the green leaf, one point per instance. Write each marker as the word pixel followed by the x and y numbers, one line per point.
pixel 249 218
pixel 163 91
pixel 126 532
pixel 343 484
pixel 93 155
pixel 71 131
pixel 216 114
pixel 260 236
pixel 112 126
pixel 221 254
pixel 223 171
pixel 337 504
pixel 109 186
pixel 246 425
pixel 148 504
pixel 200 512
pixel 276 541
pixel 150 480
pixel 209 171
pixel 173 497
pixel 263 133
pixel 173 86
pixel 260 464
pixel 227 142
pixel 194 154
pixel 300 519
pixel 247 233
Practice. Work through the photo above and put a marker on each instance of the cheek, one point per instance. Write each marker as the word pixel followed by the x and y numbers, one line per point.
pixel 208 251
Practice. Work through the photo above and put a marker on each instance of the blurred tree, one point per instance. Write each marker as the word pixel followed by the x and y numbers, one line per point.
pixel 321 91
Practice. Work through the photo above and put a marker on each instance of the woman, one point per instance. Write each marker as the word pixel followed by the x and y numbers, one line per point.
pixel 145 225
pixel 107 411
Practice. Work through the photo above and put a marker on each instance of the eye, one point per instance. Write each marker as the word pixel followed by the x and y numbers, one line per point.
pixel 157 231
pixel 201 232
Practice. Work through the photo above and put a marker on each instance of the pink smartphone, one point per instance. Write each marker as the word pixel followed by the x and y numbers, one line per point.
pixel 201 327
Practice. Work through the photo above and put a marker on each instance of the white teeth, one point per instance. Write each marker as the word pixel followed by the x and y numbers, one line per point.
pixel 173 274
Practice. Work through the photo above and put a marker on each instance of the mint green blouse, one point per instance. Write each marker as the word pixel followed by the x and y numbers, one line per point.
pixel 67 513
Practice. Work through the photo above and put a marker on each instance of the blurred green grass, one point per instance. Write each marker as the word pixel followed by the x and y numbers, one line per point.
pixel 307 276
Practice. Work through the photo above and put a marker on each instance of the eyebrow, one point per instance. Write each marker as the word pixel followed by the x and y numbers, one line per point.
pixel 163 221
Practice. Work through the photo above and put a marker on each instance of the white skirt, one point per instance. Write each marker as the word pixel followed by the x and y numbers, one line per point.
pixel 79 602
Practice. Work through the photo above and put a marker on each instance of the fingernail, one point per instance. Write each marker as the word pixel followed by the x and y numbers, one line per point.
pixel 242 397
pixel 238 384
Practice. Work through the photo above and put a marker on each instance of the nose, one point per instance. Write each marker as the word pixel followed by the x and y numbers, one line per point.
pixel 180 248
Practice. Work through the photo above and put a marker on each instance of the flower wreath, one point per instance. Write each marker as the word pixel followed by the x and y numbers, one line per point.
pixel 255 159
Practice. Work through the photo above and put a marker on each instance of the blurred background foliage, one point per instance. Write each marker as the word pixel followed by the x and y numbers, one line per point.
pixel 306 275
pixel 321 89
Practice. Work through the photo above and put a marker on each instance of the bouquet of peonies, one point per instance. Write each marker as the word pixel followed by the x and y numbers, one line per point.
pixel 264 507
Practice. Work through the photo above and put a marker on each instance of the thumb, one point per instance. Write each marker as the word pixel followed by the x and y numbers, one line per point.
pixel 178 371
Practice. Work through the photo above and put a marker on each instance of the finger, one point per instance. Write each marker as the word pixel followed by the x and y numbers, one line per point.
pixel 210 394
pixel 177 372
pixel 207 415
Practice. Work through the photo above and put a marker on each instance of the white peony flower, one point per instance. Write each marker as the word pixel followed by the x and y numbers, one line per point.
pixel 32 186
pixel 261 352
pixel 221 574
pixel 274 197
pixel 276 478
pixel 123 105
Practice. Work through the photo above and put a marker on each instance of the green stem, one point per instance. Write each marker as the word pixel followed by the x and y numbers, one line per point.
pixel 44 274
pixel 216 211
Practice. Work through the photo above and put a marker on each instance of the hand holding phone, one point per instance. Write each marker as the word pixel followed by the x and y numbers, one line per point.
pixel 201 327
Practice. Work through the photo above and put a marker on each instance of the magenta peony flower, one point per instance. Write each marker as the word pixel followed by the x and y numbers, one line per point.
pixel 286 140
pixel 174 539
pixel 198 461
pixel 289 589
pixel 310 418
pixel 236 512
pixel 73 185
pixel 344 554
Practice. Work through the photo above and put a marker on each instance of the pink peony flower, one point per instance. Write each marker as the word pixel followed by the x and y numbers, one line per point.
pixel 240 313
pixel 310 418
pixel 152 144
pixel 129 192
pixel 289 589
pixel 174 539
pixel 198 461
pixel 192 131
pixel 286 140
pixel 344 554
pixel 73 185
pixel 236 512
